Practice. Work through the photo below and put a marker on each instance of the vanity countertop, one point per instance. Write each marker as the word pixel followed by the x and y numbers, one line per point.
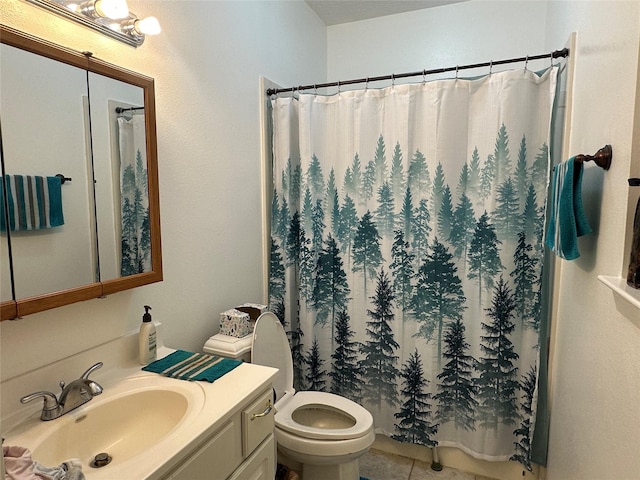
pixel 221 400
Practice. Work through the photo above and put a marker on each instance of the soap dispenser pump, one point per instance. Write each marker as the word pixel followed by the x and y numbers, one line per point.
pixel 147 338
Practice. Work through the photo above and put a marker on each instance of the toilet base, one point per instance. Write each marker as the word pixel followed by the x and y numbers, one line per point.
pixel 349 470
pixel 342 471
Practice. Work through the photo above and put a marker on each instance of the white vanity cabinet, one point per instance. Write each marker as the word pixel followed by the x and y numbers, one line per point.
pixel 243 448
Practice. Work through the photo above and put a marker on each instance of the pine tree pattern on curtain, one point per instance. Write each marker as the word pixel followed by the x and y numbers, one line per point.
pixel 406 253
pixel 134 197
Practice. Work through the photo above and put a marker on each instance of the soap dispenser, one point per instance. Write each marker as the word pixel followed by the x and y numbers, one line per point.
pixel 147 338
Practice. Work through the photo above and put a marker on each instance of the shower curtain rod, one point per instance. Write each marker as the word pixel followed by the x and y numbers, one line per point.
pixel 128 109
pixel 555 54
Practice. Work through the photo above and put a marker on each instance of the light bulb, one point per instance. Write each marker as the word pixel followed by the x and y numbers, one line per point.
pixel 147 26
pixel 113 9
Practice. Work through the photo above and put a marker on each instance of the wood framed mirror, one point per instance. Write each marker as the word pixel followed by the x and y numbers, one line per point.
pixel 66 112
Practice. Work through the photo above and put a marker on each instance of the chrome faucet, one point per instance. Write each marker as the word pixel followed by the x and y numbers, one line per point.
pixel 77 393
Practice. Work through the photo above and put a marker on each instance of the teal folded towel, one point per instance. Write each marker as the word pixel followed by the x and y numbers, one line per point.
pixel 567 219
pixel 34 202
pixel 192 366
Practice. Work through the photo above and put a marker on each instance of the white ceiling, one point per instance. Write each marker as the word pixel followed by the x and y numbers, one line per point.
pixel 333 12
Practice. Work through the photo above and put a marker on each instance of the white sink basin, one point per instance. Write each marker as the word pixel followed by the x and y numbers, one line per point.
pixel 127 420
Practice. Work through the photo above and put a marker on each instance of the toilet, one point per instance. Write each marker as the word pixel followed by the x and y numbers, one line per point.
pixel 323 432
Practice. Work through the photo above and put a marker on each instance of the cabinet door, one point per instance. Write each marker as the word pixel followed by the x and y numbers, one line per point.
pixel 261 465
pixel 216 459
pixel 257 422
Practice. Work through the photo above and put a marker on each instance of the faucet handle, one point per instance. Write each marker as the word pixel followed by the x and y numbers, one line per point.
pixel 50 400
pixel 90 370
pixel 52 408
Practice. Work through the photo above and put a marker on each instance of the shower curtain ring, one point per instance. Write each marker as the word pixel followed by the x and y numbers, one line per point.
pixel 551 59
pixel 457 66
pixel 338 86
pixel 315 90
pixel 366 83
pixel 490 66
pixel 393 79
pixel 526 62
pixel 424 76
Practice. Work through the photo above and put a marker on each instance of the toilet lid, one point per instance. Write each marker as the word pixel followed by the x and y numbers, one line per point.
pixel 270 348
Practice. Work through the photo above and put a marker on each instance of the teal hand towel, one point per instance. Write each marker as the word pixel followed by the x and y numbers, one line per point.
pixel 567 219
pixel 34 202
pixel 192 366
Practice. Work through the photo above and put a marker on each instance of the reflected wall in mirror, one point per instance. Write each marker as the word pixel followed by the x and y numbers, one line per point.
pixel 58 110
pixel 44 107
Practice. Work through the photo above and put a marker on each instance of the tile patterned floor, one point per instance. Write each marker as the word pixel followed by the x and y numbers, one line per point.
pixel 379 465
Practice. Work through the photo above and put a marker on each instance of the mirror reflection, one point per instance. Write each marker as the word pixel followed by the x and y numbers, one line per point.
pixel 120 163
pixel 80 177
pixel 44 133
pixel 6 280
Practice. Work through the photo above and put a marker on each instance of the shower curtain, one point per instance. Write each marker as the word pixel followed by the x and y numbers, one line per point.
pixel 406 253
pixel 135 245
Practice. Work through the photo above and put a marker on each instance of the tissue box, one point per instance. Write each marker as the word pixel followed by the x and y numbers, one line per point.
pixel 253 309
pixel 238 322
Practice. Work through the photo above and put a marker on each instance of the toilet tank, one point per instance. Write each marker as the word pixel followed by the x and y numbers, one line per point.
pixel 229 347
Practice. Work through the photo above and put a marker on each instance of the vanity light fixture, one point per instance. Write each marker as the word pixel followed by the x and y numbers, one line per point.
pixel 113 9
pixel 146 26
pixel 110 17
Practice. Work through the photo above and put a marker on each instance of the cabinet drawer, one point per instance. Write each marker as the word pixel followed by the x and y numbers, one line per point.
pixel 257 422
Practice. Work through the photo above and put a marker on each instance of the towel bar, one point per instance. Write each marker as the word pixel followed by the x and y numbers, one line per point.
pixel 62 178
pixel 602 157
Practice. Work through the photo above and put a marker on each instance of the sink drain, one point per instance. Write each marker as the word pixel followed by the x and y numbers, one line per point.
pixel 100 460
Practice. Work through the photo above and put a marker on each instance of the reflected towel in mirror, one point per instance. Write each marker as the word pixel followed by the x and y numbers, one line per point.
pixel 34 202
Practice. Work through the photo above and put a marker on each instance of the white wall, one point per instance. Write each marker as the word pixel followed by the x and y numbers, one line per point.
pixel 458 34
pixel 206 64
pixel 595 429
pixel 595 423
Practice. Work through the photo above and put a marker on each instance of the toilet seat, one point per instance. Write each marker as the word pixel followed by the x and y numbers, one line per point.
pixel 270 348
pixel 362 419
